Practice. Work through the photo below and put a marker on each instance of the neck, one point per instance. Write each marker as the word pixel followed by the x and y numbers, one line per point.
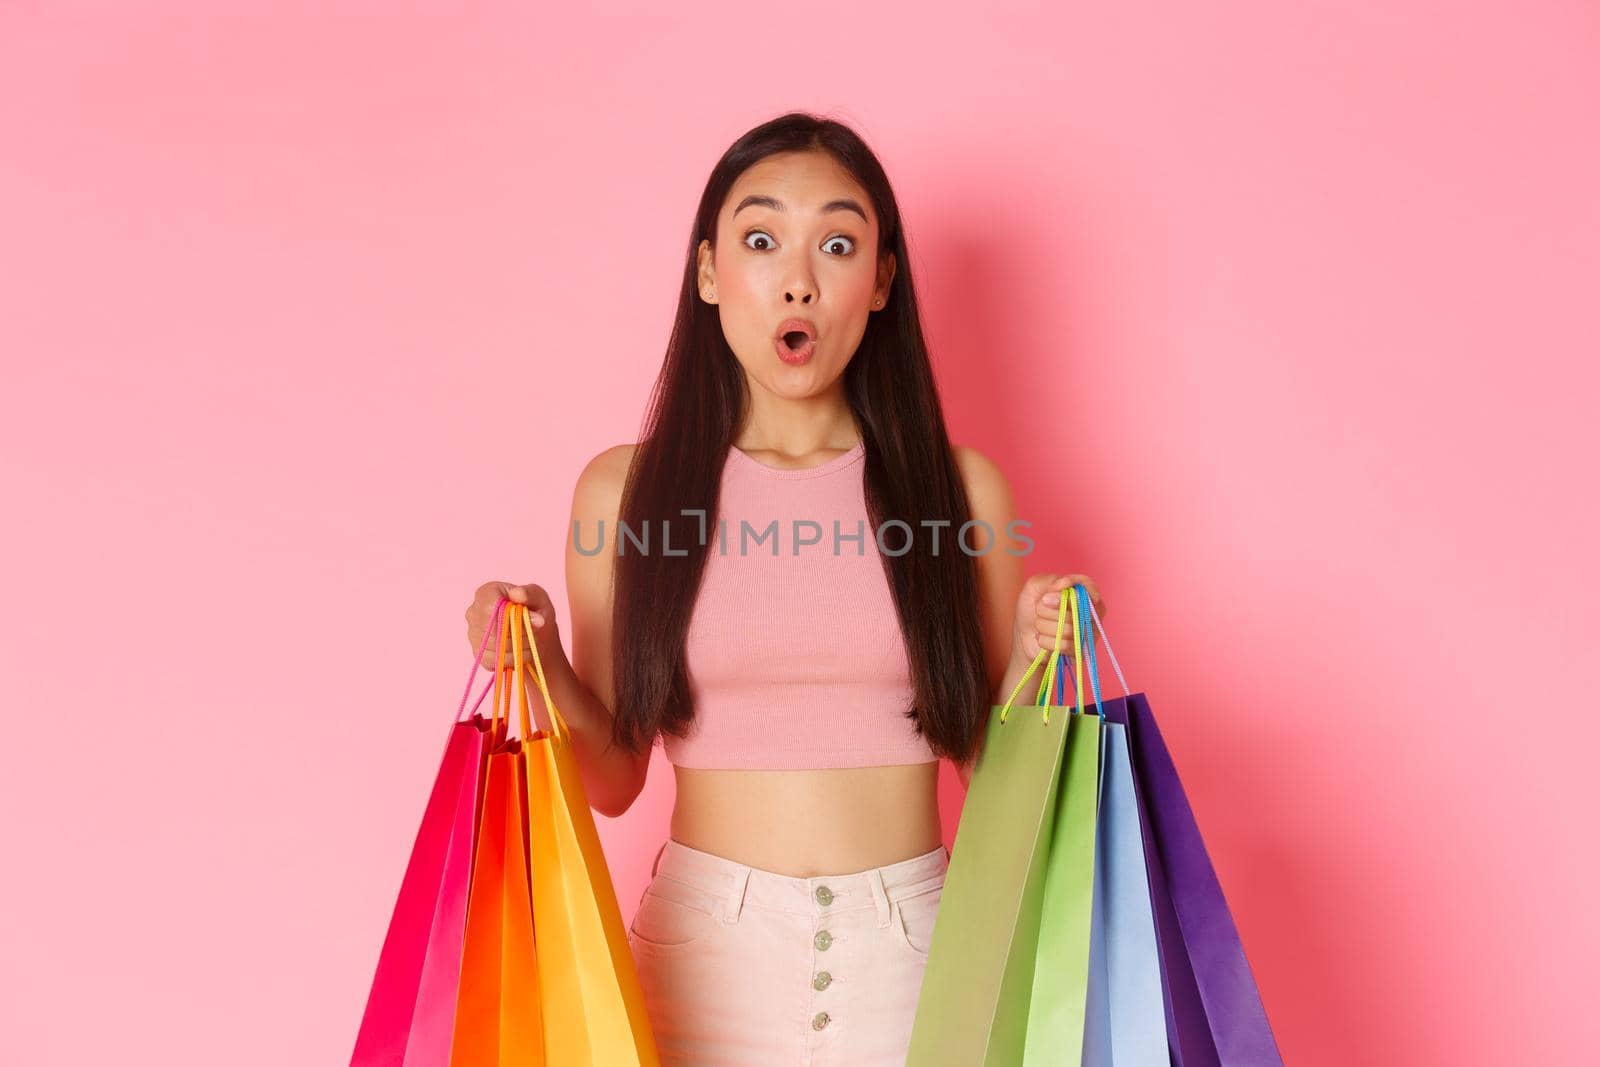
pixel 797 427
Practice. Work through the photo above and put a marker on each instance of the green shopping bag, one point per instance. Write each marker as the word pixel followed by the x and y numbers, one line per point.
pixel 1007 972
pixel 1058 1007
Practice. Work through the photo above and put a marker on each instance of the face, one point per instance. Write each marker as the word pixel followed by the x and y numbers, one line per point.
pixel 791 246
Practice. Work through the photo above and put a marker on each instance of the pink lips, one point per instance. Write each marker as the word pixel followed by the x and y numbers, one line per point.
pixel 796 356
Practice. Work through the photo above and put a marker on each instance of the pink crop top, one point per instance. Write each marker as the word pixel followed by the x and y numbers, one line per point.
pixel 795 659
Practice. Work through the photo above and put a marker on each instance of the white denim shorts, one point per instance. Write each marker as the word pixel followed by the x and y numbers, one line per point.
pixel 741 966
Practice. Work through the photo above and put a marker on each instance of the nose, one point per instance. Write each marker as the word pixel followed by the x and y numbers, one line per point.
pixel 802 284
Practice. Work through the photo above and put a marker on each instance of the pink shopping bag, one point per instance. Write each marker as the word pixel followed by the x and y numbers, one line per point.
pixel 411 1008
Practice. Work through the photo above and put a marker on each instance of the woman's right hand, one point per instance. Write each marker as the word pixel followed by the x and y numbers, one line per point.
pixel 480 614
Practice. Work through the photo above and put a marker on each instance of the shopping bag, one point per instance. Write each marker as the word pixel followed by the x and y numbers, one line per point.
pixel 1126 1020
pixel 1124 1023
pixel 498 1022
pixel 978 980
pixel 591 1000
pixel 1055 1027
pixel 1213 1010
pixel 411 1006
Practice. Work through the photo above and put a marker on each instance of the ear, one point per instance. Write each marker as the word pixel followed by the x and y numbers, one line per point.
pixel 705 271
pixel 886 265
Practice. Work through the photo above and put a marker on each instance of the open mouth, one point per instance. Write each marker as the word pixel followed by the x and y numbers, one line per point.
pixel 795 341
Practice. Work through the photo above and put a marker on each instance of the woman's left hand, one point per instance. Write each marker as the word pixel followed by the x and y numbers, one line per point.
pixel 1038 609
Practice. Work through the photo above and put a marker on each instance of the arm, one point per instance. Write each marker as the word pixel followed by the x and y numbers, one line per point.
pixel 1000 578
pixel 583 688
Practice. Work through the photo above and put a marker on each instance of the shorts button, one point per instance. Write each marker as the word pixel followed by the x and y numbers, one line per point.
pixel 821 980
pixel 819 1020
pixel 824 895
pixel 823 940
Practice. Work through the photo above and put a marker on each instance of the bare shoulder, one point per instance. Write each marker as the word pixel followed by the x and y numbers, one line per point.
pixel 988 492
pixel 596 503
pixel 598 491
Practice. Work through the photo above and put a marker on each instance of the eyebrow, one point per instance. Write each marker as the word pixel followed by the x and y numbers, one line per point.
pixel 758 200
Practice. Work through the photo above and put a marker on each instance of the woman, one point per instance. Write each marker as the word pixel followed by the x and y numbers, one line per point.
pixel 805 685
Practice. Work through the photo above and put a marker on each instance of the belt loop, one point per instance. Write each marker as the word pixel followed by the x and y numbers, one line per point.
pixel 656 866
pixel 734 904
pixel 879 895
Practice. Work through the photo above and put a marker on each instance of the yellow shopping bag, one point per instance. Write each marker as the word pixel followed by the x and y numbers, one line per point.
pixel 591 1001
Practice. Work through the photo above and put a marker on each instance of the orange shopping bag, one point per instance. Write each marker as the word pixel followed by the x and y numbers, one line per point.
pixel 592 1003
pixel 498 1014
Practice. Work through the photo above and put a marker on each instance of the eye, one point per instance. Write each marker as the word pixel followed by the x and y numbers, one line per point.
pixel 764 236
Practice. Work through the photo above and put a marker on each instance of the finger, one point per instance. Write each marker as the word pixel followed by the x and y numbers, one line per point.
pixel 537 616
pixel 1053 590
pixel 1052 608
pixel 1046 617
pixel 1094 592
pixel 1046 632
pixel 490 592
pixel 508 657
pixel 1039 584
pixel 1054 599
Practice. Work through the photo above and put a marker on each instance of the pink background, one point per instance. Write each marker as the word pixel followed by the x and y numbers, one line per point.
pixel 1280 318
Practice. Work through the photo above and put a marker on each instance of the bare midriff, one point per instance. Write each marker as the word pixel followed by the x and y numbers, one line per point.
pixel 806 823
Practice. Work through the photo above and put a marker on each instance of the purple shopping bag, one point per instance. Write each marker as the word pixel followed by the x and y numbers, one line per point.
pixel 1214 1013
pixel 410 1010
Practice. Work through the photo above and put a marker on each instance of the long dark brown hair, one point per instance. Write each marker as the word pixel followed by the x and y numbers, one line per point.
pixel 910 474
